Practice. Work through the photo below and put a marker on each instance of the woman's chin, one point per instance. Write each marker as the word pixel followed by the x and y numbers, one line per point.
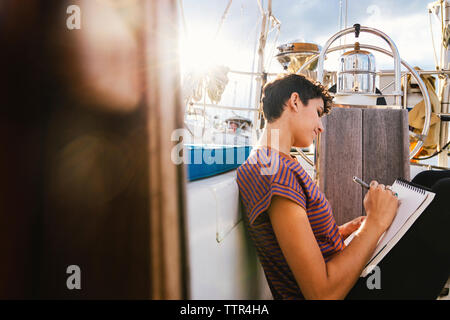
pixel 302 145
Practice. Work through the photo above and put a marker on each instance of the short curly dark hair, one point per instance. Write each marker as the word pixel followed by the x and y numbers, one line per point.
pixel 278 91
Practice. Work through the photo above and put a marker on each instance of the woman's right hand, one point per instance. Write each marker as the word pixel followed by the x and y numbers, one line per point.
pixel 381 206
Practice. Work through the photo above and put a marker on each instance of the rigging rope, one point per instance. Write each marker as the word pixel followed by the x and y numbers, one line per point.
pixel 222 20
pixel 432 41
pixel 434 154
pixel 276 26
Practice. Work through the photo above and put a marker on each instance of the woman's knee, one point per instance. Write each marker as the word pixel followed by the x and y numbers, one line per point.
pixel 441 204
pixel 442 187
pixel 433 224
pixel 429 178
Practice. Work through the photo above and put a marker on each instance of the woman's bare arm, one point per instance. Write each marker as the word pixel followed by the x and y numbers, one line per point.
pixel 334 279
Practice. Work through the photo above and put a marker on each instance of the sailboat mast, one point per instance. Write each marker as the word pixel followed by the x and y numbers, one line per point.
pixel 444 84
pixel 261 79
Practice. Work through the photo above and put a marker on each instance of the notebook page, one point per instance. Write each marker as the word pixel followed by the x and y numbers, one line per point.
pixel 410 200
pixel 380 255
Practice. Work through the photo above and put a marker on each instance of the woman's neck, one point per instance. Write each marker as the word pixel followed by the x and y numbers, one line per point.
pixel 276 136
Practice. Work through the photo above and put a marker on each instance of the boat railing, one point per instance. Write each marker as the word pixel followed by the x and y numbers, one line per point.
pixel 413 72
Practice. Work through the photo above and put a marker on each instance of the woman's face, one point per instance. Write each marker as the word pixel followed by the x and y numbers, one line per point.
pixel 306 122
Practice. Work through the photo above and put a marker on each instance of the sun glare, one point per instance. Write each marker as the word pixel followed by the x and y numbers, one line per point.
pixel 199 51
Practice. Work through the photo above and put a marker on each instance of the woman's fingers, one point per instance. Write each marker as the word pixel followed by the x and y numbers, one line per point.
pixel 393 192
pixel 374 185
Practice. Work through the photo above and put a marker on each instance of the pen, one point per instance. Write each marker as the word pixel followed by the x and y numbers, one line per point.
pixel 362 183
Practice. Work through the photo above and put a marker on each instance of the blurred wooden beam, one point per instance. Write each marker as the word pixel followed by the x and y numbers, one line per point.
pixel 168 243
pixel 87 177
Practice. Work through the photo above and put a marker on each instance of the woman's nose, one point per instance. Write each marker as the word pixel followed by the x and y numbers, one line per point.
pixel 321 129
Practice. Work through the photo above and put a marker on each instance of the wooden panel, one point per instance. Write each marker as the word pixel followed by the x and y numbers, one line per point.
pixel 340 155
pixel 370 143
pixel 385 145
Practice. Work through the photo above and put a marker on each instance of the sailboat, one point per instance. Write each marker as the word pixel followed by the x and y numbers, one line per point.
pixel 223 265
pixel 118 175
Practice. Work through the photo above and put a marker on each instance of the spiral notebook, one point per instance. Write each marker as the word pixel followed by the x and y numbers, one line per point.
pixel 414 200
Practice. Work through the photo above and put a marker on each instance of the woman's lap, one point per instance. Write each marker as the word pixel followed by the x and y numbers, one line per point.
pixel 419 265
pixel 429 178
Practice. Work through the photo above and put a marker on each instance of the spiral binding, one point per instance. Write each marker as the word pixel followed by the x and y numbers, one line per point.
pixel 409 185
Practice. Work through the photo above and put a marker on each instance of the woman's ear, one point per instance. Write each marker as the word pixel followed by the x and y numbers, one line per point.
pixel 294 100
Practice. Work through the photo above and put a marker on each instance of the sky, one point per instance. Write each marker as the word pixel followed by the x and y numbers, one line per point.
pixel 205 41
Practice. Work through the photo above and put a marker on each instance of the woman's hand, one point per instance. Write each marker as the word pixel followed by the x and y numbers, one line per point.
pixel 348 228
pixel 381 206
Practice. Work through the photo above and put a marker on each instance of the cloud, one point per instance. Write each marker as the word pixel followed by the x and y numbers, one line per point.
pixel 410 33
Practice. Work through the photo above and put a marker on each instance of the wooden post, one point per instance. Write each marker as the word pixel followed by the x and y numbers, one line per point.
pixel 340 160
pixel 369 143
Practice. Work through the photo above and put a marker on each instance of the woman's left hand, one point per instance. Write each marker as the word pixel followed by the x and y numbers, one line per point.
pixel 348 228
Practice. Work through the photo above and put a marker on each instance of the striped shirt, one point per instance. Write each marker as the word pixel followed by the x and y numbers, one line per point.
pixel 264 174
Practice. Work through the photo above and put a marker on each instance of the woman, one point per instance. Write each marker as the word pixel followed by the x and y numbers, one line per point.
pixel 300 246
